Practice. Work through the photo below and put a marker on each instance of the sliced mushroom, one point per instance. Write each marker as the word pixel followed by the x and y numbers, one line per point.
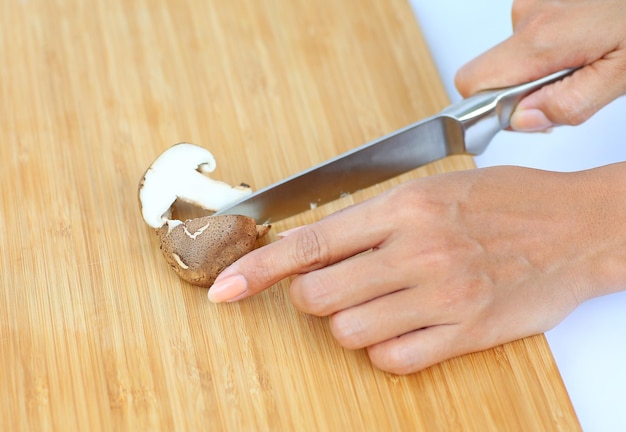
pixel 179 173
pixel 196 249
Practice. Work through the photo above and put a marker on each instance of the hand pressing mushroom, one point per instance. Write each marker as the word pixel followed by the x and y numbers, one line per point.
pixel 196 249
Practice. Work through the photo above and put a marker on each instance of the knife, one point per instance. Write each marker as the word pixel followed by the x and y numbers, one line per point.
pixel 466 127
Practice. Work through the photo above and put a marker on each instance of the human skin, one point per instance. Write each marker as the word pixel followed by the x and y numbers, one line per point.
pixel 465 261
pixel 548 36
pixel 473 259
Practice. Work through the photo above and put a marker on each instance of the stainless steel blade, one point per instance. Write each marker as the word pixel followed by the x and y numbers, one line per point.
pixel 467 126
pixel 364 166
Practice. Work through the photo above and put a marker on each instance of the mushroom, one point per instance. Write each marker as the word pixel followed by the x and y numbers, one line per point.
pixel 197 249
pixel 179 173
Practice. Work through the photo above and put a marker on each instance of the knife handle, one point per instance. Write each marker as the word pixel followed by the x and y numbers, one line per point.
pixel 486 113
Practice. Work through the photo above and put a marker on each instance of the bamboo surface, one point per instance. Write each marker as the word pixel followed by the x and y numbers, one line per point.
pixel 96 332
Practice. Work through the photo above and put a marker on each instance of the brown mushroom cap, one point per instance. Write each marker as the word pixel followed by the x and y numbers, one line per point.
pixel 199 249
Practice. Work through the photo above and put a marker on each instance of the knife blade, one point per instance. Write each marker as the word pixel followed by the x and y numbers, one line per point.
pixel 466 127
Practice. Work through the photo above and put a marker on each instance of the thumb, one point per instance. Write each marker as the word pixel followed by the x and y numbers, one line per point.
pixel 572 100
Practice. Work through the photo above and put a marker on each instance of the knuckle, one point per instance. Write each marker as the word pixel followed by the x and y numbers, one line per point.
pixel 474 291
pixel 572 105
pixel 311 250
pixel 262 273
pixel 518 11
pixel 571 110
pixel 349 331
pixel 529 16
pixel 418 197
pixel 397 359
pixel 311 298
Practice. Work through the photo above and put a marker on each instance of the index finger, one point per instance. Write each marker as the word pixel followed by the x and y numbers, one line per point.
pixel 330 240
pixel 543 42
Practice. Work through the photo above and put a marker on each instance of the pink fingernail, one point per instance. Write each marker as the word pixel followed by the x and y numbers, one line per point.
pixel 290 231
pixel 228 288
pixel 530 120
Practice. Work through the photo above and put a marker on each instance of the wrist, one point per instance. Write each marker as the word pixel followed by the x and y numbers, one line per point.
pixel 605 208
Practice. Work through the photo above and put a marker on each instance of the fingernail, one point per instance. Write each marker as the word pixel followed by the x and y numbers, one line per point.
pixel 530 120
pixel 290 231
pixel 228 288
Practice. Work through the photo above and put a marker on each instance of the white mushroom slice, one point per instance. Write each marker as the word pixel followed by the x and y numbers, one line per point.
pixel 178 173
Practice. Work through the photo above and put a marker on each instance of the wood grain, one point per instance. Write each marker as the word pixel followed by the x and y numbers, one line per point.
pixel 96 333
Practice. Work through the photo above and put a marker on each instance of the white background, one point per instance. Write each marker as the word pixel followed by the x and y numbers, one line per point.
pixel 590 345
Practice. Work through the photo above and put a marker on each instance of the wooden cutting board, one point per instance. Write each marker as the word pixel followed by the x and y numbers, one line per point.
pixel 96 332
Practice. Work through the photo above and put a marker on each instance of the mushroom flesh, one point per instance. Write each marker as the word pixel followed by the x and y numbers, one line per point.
pixel 180 173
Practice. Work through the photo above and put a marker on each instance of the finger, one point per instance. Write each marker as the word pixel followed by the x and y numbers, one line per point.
pixel 314 246
pixel 542 43
pixel 417 350
pixel 510 63
pixel 388 317
pixel 574 99
pixel 352 282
